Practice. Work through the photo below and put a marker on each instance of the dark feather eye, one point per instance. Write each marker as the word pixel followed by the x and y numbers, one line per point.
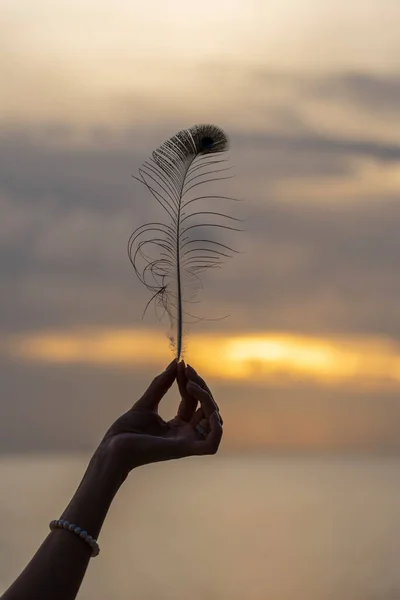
pixel 206 142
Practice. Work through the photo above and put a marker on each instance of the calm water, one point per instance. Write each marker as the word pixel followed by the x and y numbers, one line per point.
pixel 229 528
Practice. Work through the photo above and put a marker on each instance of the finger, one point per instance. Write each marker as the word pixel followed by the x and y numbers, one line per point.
pixel 210 404
pixel 156 449
pixel 188 404
pixel 203 428
pixel 205 424
pixel 207 403
pixel 158 388
pixel 211 444
pixel 198 417
pixel 192 375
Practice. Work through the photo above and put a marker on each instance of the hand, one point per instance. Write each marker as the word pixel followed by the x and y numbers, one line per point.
pixel 141 436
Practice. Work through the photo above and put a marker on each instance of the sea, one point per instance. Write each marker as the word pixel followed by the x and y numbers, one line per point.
pixel 227 527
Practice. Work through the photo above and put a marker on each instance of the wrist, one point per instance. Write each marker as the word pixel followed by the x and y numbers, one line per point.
pixel 120 454
pixel 95 494
pixel 105 467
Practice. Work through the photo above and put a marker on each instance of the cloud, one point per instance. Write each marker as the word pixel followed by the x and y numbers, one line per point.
pixel 315 143
pixel 349 105
pixel 379 93
pixel 315 267
pixel 319 258
pixel 259 358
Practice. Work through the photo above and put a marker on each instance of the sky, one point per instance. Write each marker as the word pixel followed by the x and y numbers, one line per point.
pixel 309 93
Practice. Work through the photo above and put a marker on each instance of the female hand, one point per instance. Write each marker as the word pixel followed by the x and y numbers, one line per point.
pixel 141 436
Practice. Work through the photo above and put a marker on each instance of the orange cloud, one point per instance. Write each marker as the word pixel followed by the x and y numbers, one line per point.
pixel 257 358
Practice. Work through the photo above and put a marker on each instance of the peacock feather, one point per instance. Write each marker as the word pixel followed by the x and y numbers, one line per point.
pixel 168 256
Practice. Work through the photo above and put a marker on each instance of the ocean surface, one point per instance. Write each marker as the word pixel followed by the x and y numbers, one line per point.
pixel 221 528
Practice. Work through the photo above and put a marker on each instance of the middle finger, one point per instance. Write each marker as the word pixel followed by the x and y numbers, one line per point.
pixel 194 376
pixel 206 402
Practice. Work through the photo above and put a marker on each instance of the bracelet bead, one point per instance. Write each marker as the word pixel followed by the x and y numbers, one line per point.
pixel 79 532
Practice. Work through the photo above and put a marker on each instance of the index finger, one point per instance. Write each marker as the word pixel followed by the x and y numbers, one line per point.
pixel 158 388
pixel 188 403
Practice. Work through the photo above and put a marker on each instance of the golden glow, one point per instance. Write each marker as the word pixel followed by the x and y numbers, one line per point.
pixel 257 359
pixel 109 347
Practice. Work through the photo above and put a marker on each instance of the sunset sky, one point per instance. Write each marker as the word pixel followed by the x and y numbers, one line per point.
pixel 309 93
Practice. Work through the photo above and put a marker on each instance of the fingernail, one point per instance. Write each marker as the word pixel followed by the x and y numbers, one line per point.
pixel 171 365
pixel 190 368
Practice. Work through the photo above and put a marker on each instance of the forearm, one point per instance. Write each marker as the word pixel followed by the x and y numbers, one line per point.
pixel 58 567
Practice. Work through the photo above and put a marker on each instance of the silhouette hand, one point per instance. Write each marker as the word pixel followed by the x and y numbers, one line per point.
pixel 141 436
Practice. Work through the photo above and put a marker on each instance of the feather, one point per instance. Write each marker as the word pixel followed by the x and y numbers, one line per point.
pixel 169 256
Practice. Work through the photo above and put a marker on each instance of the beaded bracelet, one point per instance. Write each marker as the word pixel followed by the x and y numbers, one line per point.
pixel 62 524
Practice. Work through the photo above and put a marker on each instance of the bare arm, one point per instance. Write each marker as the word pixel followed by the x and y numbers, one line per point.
pixel 58 567
pixel 139 437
